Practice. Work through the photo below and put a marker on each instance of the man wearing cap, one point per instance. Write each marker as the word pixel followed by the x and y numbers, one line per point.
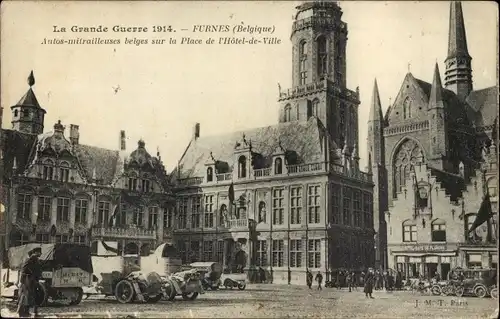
pixel 30 274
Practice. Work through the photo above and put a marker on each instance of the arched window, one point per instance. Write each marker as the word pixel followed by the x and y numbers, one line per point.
pixel 407 108
pixel 210 174
pixel 278 166
pixel 403 162
pixel 438 228
pixel 242 167
pixel 288 110
pixel 409 231
pixel 322 56
pixel 303 62
pixel 223 215
pixel 262 212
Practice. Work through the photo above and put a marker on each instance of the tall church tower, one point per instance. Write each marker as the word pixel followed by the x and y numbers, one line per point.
pixel 438 133
pixel 319 38
pixel 376 166
pixel 458 75
pixel 27 114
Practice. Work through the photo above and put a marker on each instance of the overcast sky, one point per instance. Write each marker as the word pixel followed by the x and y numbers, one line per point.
pixel 165 89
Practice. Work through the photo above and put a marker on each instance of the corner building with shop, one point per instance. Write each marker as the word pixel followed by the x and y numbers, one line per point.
pixel 436 152
pixel 299 181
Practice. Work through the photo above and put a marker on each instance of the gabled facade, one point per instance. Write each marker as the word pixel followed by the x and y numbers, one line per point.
pixel 60 190
pixel 435 136
pixel 299 180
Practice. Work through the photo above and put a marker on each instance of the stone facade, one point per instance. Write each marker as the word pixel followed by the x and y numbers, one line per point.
pixel 439 137
pixel 59 190
pixel 298 181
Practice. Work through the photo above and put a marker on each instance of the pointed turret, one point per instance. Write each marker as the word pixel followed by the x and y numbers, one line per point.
pixel 27 114
pixel 457 40
pixel 458 75
pixel 376 107
pixel 436 96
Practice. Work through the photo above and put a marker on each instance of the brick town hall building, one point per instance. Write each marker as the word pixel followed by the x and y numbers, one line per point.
pixel 299 180
pixel 434 154
pixel 56 189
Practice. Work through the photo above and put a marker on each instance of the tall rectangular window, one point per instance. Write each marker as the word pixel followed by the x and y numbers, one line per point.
pixel 278 253
pixel 103 213
pixel 82 239
pixel 62 209
pixel 43 238
pixel 296 205
pixel 48 173
pixel 24 206
pixel 409 233
pixel 209 211
pixel 261 259
pixel 181 247
pixel 347 207
pixel 314 253
pixel 145 185
pixel 357 208
pixel 139 216
pixel 153 217
pixel 313 204
pixel 44 208
pixel 278 206
pixel 208 250
pixel 167 218
pixel 336 212
pixel 62 239
pixel 220 252
pixel 183 207
pixel 132 184
pixel 81 208
pixel 122 217
pixel 296 253
pixel 196 212
pixel 194 255
pixel 367 210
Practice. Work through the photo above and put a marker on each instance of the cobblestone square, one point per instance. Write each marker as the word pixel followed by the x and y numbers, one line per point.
pixel 282 301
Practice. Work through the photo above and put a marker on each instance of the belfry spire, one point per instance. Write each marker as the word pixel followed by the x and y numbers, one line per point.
pixel 376 107
pixel 458 75
pixel 436 98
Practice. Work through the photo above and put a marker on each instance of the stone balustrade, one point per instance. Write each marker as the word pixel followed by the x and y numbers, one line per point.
pixel 119 232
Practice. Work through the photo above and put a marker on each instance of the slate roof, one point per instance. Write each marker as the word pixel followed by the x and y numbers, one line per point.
pixel 16 145
pixel 104 161
pixel 483 105
pixel 303 138
pixel 29 99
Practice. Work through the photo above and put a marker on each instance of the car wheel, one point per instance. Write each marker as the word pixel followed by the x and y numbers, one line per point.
pixel 480 291
pixel 242 286
pixel 124 291
pixel 459 291
pixel 494 293
pixel 436 290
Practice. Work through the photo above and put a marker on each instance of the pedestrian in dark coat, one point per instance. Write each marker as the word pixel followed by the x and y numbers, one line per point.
pixel 369 280
pixel 309 278
pixel 319 279
pixel 31 272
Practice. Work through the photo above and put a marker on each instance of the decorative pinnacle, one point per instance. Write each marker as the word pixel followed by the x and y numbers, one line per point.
pixel 31 79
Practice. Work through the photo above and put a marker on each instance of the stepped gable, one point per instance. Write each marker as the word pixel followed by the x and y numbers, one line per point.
pixel 453 184
pixel 16 145
pixel 304 138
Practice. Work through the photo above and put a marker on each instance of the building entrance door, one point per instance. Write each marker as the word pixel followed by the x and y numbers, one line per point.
pixel 431 269
pixel 445 269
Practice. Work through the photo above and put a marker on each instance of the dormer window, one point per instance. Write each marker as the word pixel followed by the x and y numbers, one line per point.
pixel 242 167
pixel 278 166
pixel 48 171
pixel 210 174
pixel 132 184
pixel 145 185
pixel 64 173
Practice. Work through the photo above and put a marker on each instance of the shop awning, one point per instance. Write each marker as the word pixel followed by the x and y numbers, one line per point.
pixel 422 254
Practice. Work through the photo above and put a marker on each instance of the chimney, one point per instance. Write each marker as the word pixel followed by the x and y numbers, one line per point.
pixel 196 131
pixel 122 141
pixel 74 134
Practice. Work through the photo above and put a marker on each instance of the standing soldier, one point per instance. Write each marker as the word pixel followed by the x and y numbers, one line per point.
pixel 369 279
pixel 319 279
pixel 30 274
pixel 309 278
